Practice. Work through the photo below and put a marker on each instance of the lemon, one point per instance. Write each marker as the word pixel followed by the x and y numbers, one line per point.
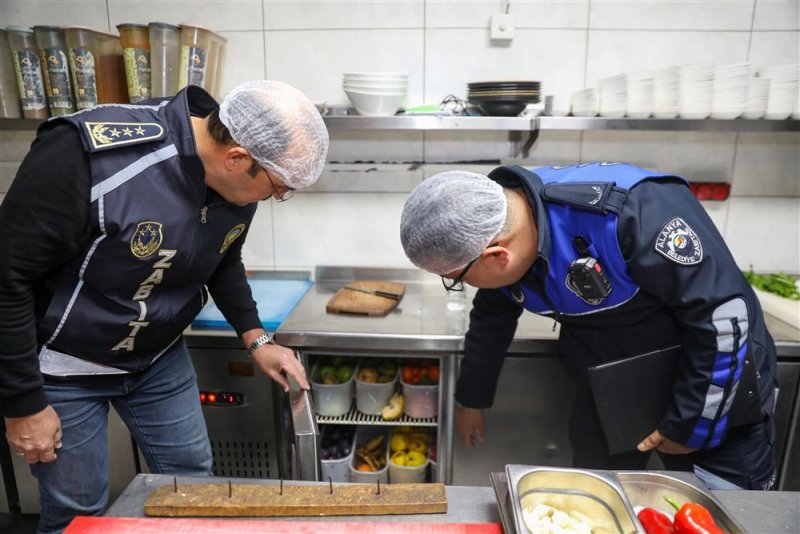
pixel 399 443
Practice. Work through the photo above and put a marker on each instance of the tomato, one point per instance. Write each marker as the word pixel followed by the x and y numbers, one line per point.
pixel 408 374
pixel 434 373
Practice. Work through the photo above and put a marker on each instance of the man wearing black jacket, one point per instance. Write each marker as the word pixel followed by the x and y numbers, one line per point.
pixel 629 263
pixel 118 224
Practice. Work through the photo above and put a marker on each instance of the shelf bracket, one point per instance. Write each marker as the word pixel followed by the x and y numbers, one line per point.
pixel 517 148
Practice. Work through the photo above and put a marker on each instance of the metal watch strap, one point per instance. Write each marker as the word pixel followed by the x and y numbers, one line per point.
pixel 264 339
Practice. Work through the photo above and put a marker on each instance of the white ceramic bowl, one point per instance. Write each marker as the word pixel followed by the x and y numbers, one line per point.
pixel 382 88
pixel 375 79
pixel 375 104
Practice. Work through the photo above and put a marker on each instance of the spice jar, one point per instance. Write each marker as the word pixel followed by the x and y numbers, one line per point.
pixel 55 67
pixel 30 80
pixel 82 45
pixel 195 44
pixel 214 68
pixel 112 87
pixel 9 88
pixel 165 44
pixel 135 39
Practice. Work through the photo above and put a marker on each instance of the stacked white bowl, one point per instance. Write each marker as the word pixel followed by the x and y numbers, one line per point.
pixel 729 95
pixel 756 105
pixel 640 97
pixel 783 89
pixel 556 105
pixel 665 92
pixel 376 94
pixel 585 103
pixel 613 96
pixel 695 90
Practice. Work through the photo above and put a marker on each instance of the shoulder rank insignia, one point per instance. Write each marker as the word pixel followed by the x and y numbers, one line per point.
pixel 678 242
pixel 103 135
pixel 146 239
pixel 233 234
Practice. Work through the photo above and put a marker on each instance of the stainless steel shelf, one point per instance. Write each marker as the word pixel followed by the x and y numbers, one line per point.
pixel 695 125
pixel 354 417
pixel 429 122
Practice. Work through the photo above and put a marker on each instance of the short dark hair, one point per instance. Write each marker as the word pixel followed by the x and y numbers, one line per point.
pixel 218 131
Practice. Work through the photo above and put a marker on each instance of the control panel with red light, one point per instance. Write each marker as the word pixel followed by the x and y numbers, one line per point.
pixel 221 398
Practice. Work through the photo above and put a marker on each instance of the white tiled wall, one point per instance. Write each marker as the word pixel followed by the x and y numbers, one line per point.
pixel 351 216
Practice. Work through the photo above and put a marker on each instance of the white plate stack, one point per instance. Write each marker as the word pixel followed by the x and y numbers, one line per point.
pixel 782 90
pixel 665 92
pixel 376 94
pixel 556 105
pixel 729 96
pixel 757 92
pixel 695 90
pixel 585 103
pixel 640 97
pixel 613 96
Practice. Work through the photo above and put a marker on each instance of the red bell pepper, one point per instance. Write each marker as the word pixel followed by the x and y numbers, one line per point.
pixel 655 521
pixel 693 518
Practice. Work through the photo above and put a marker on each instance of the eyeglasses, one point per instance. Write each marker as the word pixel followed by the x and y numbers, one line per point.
pixel 457 283
pixel 279 196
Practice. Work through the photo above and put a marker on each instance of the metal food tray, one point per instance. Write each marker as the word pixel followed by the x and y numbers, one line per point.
pixel 639 489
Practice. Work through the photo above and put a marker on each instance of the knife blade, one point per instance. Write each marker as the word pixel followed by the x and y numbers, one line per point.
pixel 375 292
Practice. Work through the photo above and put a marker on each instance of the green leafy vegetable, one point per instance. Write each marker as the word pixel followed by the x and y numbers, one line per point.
pixel 780 284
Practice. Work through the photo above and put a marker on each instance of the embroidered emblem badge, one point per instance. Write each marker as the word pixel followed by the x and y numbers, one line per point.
pixel 234 233
pixel 678 242
pixel 111 134
pixel 146 239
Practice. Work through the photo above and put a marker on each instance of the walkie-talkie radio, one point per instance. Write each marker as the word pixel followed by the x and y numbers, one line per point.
pixel 586 277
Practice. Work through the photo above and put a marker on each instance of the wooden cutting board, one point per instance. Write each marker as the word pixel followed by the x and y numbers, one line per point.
pixel 356 302
pixel 258 500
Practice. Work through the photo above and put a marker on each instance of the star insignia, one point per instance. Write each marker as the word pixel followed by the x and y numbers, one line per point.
pixel 128 132
pixel 115 132
pixel 139 130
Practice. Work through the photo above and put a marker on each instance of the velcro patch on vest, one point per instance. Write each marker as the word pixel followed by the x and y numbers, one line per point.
pixel 679 243
pixel 584 196
pixel 108 135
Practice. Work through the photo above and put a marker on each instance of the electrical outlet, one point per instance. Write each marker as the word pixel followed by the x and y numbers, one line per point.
pixel 502 27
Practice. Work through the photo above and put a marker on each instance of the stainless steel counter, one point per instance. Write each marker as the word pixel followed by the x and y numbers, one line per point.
pixel 757 511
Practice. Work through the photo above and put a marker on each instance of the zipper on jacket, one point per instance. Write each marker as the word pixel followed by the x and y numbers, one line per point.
pixel 203 214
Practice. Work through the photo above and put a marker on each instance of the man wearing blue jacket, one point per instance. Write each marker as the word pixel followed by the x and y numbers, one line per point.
pixel 120 222
pixel 628 262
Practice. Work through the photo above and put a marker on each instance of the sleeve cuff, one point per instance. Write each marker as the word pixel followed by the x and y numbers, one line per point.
pixel 25 404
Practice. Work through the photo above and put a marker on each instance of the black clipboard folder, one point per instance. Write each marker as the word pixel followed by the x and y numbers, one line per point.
pixel 633 394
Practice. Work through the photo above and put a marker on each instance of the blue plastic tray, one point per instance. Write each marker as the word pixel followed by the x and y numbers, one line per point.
pixel 275 299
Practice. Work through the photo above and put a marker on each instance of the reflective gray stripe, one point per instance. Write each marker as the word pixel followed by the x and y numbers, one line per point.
pixel 138 166
pixel 713 398
pixel 56 363
pixel 734 309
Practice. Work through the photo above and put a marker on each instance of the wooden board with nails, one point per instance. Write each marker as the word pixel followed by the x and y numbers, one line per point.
pixel 258 500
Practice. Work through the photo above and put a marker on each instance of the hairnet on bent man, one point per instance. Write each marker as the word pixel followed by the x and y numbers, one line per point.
pixel 450 218
pixel 280 127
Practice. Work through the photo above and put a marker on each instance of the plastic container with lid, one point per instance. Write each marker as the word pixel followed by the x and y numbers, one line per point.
pixel 9 88
pixel 195 47
pixel 165 44
pixel 215 60
pixel 135 39
pixel 30 80
pixel 55 67
pixel 111 85
pixel 82 45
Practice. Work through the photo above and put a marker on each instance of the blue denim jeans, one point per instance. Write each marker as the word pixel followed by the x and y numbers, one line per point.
pixel 160 407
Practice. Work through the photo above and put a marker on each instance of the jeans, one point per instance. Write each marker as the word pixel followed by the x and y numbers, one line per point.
pixel 160 407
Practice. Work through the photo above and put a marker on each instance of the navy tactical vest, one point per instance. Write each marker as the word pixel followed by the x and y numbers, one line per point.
pixel 578 201
pixel 141 280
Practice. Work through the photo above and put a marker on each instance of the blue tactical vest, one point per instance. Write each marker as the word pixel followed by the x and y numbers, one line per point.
pixel 581 200
pixel 141 281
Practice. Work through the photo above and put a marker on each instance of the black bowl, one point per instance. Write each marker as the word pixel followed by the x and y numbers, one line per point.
pixel 502 108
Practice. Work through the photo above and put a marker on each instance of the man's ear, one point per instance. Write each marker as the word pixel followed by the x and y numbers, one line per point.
pixel 497 256
pixel 237 159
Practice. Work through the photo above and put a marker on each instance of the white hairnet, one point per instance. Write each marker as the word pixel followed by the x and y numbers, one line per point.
pixel 280 127
pixel 450 218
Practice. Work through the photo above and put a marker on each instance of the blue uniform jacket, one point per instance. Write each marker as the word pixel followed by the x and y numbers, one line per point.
pixel 673 282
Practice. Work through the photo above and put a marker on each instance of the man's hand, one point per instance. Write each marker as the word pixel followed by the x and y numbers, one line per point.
pixel 469 424
pixel 36 437
pixel 275 360
pixel 662 444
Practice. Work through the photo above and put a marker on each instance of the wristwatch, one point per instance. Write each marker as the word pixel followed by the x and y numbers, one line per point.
pixel 264 339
